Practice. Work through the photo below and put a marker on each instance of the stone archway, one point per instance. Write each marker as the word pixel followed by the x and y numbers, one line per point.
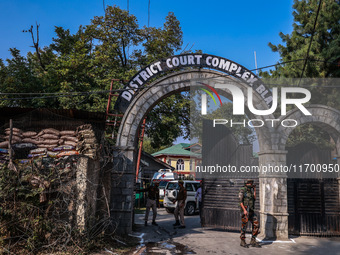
pixel 276 214
pixel 125 154
pixel 323 116
pixel 273 186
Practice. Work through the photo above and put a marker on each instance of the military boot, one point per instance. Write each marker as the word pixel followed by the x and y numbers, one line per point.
pixel 176 224
pixel 253 243
pixel 243 243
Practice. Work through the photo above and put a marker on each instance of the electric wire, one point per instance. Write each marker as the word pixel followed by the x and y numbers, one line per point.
pixel 149 14
pixel 311 40
pixel 48 95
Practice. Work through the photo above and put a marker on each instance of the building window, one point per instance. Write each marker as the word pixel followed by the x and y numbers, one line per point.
pixel 180 164
pixel 192 165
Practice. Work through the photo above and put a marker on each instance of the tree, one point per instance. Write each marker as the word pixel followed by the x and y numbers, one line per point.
pixel 325 47
pixel 322 62
pixel 169 120
pixel 18 77
pixel 112 46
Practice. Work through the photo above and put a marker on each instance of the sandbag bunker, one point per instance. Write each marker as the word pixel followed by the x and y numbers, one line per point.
pixel 48 143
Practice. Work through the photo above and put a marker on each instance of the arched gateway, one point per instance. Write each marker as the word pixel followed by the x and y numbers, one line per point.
pixel 137 100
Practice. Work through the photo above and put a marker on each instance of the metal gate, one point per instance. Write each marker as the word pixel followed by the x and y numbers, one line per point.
pixel 220 195
pixel 313 204
pixel 220 203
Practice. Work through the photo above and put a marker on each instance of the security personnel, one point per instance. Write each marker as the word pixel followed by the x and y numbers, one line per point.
pixel 247 197
pixel 181 198
pixel 152 201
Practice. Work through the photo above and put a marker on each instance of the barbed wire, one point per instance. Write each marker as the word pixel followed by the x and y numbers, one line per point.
pixel 56 225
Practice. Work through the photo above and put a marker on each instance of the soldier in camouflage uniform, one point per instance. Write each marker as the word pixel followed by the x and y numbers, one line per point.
pixel 247 196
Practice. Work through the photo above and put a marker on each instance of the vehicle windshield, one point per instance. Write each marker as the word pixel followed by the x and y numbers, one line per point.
pixel 172 186
pixel 162 184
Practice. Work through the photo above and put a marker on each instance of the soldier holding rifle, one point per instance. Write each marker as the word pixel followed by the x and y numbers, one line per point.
pixel 247 197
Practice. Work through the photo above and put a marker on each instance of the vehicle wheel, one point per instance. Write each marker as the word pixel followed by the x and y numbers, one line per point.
pixel 169 210
pixel 190 208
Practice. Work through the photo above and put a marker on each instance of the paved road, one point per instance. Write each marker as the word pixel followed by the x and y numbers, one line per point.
pixel 164 239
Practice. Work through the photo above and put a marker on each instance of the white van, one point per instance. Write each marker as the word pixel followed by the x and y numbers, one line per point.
pixel 171 191
pixel 163 176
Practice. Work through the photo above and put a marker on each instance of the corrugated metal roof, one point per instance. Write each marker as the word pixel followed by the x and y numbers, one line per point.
pixel 178 150
pixel 47 117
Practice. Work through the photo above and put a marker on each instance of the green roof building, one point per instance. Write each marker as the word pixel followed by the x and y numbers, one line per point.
pixel 184 157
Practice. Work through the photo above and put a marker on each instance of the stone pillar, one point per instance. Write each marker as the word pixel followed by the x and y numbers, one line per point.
pixel 273 200
pixel 87 176
pixel 81 177
pixel 338 179
pixel 122 189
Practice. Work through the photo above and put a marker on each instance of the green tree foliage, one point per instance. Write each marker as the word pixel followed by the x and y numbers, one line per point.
pixel 147 147
pixel 322 62
pixel 112 46
pixel 325 48
pixel 168 120
pixel 303 134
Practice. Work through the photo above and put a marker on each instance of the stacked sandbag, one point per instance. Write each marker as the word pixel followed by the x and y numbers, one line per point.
pixel 56 144
pixel 68 137
pixel 16 137
pixel 36 153
pixel 87 144
pixel 63 151
pixel 51 143
pixel 47 138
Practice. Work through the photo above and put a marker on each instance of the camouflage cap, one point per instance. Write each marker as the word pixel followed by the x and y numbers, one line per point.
pixel 180 181
pixel 249 181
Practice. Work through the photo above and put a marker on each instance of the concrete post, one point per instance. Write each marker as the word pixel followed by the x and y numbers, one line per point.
pixel 87 176
pixel 122 188
pixel 273 192
pixel 81 180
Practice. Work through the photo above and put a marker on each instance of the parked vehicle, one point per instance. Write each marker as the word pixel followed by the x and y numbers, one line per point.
pixel 163 176
pixel 171 191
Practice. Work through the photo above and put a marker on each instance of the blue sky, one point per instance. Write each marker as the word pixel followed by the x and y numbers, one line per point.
pixel 230 29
